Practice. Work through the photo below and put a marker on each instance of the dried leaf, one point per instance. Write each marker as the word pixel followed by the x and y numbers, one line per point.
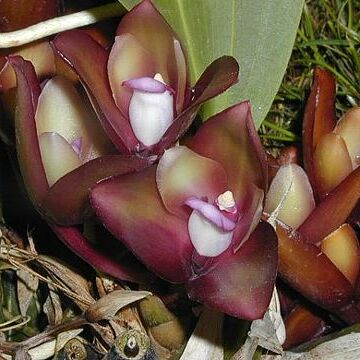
pixel 110 304
pixel 270 330
pixel 68 279
pixel 345 347
pixel 27 285
pixel 205 342
pixel 52 307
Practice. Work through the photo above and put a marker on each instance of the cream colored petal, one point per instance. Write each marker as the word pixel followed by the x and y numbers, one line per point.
pixel 349 129
pixel 342 248
pixel 57 155
pixel 332 162
pixel 291 195
pixel 62 110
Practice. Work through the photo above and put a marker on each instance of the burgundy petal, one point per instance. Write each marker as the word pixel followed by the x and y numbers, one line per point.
pixel 309 271
pixel 250 210
pixel 231 139
pixel 218 76
pixel 27 146
pixel 70 207
pixel 75 241
pixel 319 119
pixel 89 61
pixel 131 208
pixel 240 284
pixel 333 211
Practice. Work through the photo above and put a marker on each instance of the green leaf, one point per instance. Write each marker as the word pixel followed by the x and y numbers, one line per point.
pixel 259 34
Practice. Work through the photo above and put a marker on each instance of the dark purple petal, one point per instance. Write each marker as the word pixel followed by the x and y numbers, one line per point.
pixel 147 84
pixel 305 268
pixel 231 139
pixel 27 146
pixel 240 284
pixel 127 270
pixel 249 214
pixel 211 213
pixel 66 202
pixel 218 76
pixel 319 118
pixel 131 208
pixel 89 61
pixel 333 211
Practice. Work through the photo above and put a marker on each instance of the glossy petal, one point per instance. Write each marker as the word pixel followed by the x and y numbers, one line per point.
pixel 57 155
pixel 182 174
pixel 303 325
pixel 155 35
pixel 333 211
pixel 241 284
pixel 218 76
pixel 151 114
pixel 71 207
pixel 320 117
pixel 146 84
pixel 28 90
pixel 291 191
pixel 62 110
pixel 250 208
pixel 230 138
pixel 309 271
pixel 92 70
pixel 127 60
pixel 211 213
pixel 207 238
pixel 331 163
pixel 127 270
pixel 131 208
pixel 18 14
pixel 348 128
pixel 181 87
pixel 342 248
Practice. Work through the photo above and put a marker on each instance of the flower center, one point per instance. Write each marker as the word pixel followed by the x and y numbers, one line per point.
pixel 211 226
pixel 151 108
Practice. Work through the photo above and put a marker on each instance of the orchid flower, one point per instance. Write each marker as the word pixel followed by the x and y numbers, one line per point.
pixel 140 89
pixel 194 217
pixel 62 152
pixel 319 252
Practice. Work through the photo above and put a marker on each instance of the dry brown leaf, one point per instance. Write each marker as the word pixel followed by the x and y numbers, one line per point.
pixel 27 285
pixel 68 279
pixel 107 307
pixel 205 342
pixel 52 307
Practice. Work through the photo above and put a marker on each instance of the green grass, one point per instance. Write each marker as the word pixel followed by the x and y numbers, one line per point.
pixel 328 36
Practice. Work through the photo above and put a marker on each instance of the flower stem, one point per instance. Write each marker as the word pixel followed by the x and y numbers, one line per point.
pixel 59 24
